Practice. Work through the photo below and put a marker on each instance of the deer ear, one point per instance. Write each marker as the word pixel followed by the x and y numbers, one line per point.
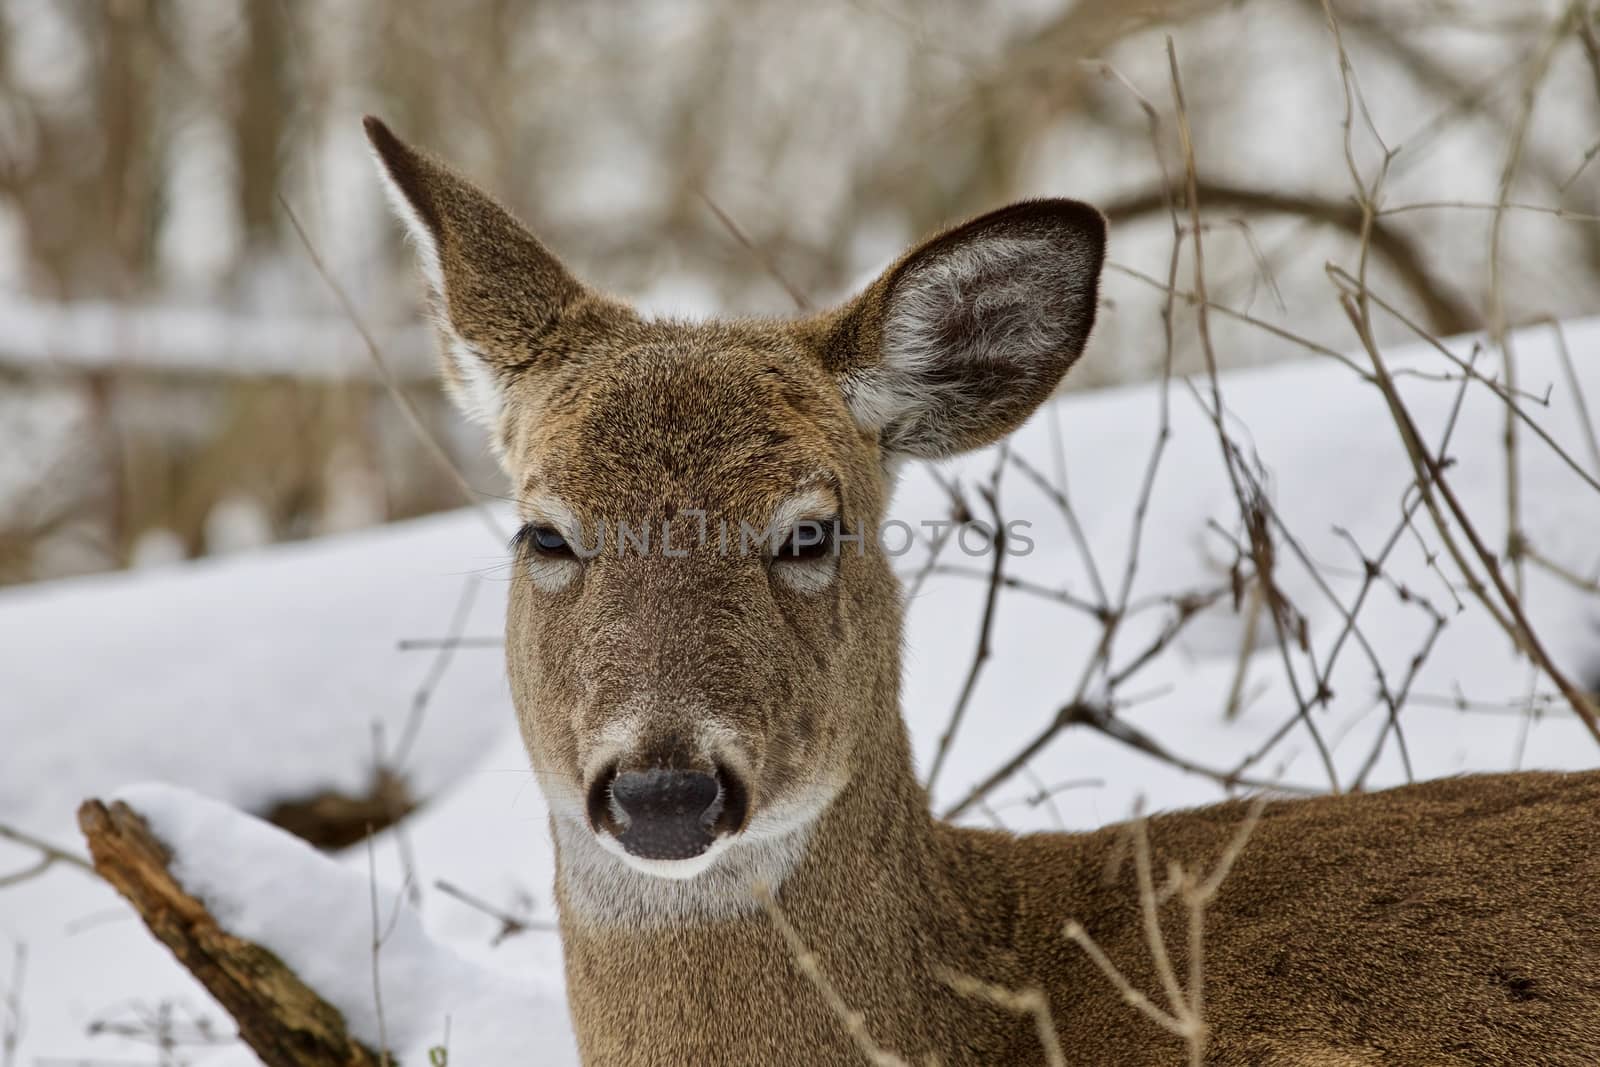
pixel 495 292
pixel 958 342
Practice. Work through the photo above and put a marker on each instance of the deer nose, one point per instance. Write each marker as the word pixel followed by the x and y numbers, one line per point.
pixel 663 813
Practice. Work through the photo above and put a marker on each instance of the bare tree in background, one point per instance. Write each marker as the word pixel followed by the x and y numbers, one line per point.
pixel 717 156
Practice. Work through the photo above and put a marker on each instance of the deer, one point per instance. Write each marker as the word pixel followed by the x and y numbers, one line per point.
pixel 716 727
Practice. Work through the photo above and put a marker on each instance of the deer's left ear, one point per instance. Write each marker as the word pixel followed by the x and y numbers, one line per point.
pixel 496 293
pixel 958 342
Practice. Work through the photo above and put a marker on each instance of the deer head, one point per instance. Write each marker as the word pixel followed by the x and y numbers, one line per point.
pixel 703 635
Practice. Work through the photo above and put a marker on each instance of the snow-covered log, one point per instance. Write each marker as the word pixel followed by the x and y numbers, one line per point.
pixel 279 1016
pixel 316 961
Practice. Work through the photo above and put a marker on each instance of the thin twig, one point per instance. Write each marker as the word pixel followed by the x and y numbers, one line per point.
pixel 1254 598
pixel 510 925
pixel 1063 502
pixel 1586 423
pixel 11 1036
pixel 1102 721
pixel 855 1023
pixel 800 299
pixel 384 1056
pixel 1430 477
pixel 981 653
pixel 1080 937
pixel 1583 164
pixel 1565 573
pixel 1469 205
pixel 1031 1002
pixel 430 682
pixel 1499 332
pixel 1023 585
pixel 429 644
pixel 49 855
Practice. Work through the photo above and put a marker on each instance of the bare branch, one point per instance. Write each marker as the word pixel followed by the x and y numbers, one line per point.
pixel 510 925
pixel 980 654
pixel 1030 1002
pixel 1430 476
pixel 1447 312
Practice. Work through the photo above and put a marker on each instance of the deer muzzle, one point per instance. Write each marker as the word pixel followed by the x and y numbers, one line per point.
pixel 666 813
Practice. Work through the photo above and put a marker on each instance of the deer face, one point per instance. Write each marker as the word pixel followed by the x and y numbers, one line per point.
pixel 703 620
pixel 686 635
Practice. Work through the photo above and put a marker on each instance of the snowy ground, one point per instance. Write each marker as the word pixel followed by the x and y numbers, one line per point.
pixel 257 678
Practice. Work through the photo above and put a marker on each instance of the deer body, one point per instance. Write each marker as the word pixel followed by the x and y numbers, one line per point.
pixel 714 717
pixel 1447 923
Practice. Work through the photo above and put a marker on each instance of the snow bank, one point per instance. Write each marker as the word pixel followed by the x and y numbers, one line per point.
pixel 254 679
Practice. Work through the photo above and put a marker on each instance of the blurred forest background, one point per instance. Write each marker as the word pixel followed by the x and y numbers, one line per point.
pixel 177 378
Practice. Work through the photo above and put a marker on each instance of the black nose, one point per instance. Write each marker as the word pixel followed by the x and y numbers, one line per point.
pixel 665 814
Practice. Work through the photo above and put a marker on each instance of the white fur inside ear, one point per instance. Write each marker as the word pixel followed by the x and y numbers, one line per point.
pixel 996 287
pixel 421 237
pixel 1004 282
pixel 477 388
pixel 961 326
pixel 472 381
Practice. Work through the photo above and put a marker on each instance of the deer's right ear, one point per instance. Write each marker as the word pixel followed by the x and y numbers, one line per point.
pixel 958 342
pixel 494 290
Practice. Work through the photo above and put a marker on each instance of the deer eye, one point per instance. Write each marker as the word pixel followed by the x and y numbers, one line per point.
pixel 545 540
pixel 809 540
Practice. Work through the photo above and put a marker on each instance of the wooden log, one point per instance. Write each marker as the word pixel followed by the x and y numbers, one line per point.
pixel 281 1018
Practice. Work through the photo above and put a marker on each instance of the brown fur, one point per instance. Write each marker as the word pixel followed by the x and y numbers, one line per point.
pixel 1447 923
pixel 1444 923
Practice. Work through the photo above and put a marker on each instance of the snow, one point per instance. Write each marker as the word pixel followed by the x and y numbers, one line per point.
pixel 274 667
pixel 257 677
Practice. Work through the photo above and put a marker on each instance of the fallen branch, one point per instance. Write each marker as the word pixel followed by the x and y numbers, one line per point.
pixel 282 1020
